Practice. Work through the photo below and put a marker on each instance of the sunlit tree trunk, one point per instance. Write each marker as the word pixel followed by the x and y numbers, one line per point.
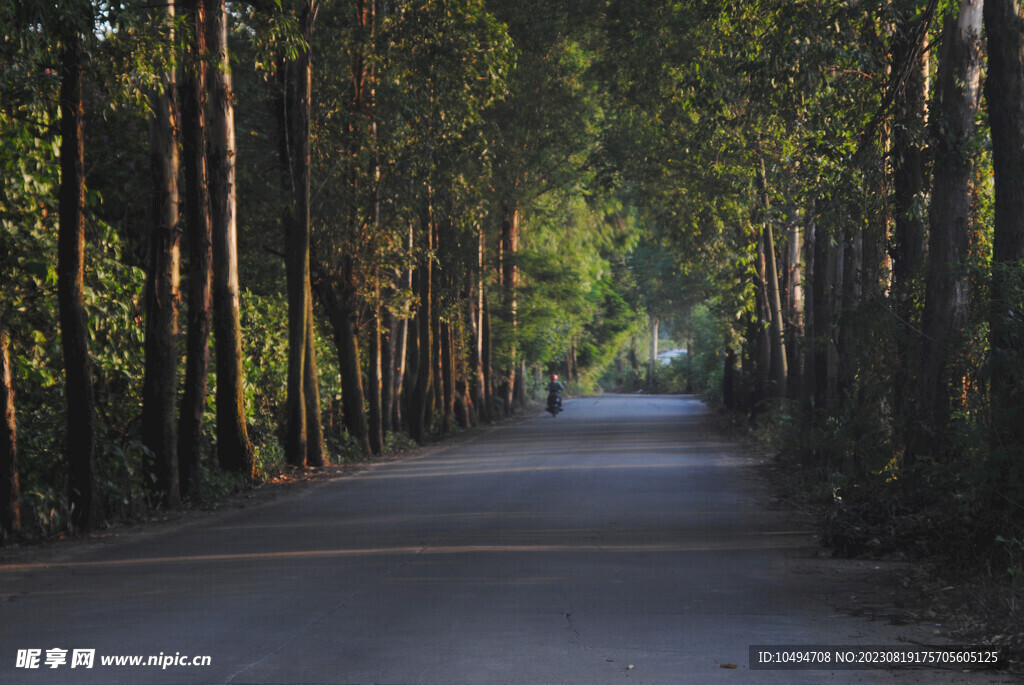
pixel 160 380
pixel 311 394
pixel 10 492
pixel 947 296
pixel 793 305
pixel 779 363
pixel 508 250
pixel 78 379
pixel 485 359
pixel 234 451
pixel 447 379
pixel 421 399
pixel 374 378
pixel 294 132
pixel 474 308
pixel 387 371
pixel 1004 25
pixel 200 251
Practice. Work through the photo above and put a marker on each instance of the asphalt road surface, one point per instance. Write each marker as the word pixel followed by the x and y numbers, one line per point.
pixel 620 542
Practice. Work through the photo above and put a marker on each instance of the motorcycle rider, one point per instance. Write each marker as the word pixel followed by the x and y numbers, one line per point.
pixel 555 390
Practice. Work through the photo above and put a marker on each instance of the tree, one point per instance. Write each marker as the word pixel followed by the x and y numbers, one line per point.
pixel 162 295
pixel 10 493
pixel 193 88
pixel 295 77
pixel 947 295
pixel 1004 88
pixel 234 451
pixel 78 383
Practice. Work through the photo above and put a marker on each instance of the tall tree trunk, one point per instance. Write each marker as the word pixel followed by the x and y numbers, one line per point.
pixel 10 493
pixel 779 364
pixel 200 251
pixel 947 296
pixel 485 359
pixel 652 362
pixel 311 394
pixel 234 451
pixel 473 295
pixel 387 371
pixel 759 328
pixel 821 331
pixel 1004 87
pixel 295 151
pixel 374 378
pixel 807 373
pixel 405 332
pixel 447 379
pixel 793 306
pixel 421 399
pixel 78 379
pixel 508 250
pixel 160 380
pixel 909 223
pixel 344 327
pixel 401 328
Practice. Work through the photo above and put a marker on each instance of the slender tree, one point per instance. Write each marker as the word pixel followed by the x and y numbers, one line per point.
pixel 296 78
pixel 947 295
pixel 234 451
pixel 78 380
pixel 10 493
pixel 1004 88
pixel 160 384
pixel 193 89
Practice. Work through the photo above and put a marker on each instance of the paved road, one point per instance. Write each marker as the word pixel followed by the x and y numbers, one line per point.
pixel 620 542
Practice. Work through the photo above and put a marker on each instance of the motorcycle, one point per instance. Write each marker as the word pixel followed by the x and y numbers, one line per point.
pixel 554 403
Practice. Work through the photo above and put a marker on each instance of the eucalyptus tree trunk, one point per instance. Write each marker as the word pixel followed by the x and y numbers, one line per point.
pixel 387 371
pixel 474 319
pixel 1004 25
pixel 234 451
pixel 909 223
pixel 421 398
pixel 447 379
pixel 652 362
pixel 508 249
pixel 160 380
pixel 947 295
pixel 200 251
pixel 78 379
pixel 374 378
pixel 311 394
pixel 779 364
pixel 294 138
pixel 10 492
pixel 343 324
pixel 821 316
pixel 793 305
pixel 759 328
pixel 807 373
pixel 486 348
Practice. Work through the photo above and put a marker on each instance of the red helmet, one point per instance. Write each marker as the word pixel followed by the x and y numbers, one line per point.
pixel 554 376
